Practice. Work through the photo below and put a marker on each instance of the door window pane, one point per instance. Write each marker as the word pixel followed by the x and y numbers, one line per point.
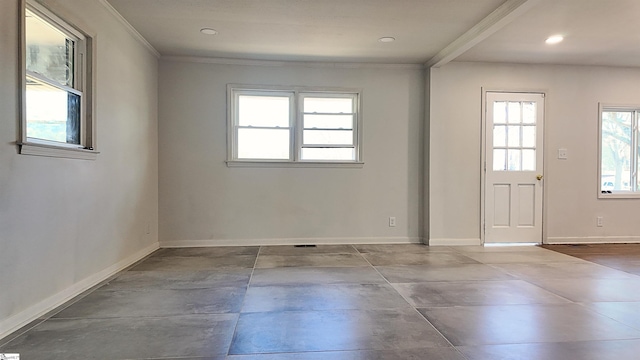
pixel 529 112
pixel 499 112
pixel 514 136
pixel 529 136
pixel 513 160
pixel 528 160
pixel 499 160
pixel 499 135
pixel 514 113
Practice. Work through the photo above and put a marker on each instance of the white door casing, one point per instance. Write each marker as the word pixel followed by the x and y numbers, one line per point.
pixel 513 167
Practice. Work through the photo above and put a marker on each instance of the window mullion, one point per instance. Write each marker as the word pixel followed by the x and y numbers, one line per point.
pixel 296 125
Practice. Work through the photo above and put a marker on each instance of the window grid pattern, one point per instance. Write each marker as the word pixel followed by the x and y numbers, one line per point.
pixel 328 127
pixel 514 136
pixel 293 126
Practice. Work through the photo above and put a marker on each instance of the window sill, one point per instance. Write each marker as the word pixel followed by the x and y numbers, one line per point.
pixel 30 148
pixel 620 195
pixel 294 164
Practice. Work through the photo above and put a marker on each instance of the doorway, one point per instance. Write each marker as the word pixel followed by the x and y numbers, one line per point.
pixel 513 168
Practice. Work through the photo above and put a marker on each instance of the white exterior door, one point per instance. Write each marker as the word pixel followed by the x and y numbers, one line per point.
pixel 513 167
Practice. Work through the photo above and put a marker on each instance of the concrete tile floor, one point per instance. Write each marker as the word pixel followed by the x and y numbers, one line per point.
pixel 353 302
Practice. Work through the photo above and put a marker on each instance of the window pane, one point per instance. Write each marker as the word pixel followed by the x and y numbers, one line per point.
pixel 499 135
pixel 52 114
pixel 499 112
pixel 49 52
pixel 637 188
pixel 529 112
pixel 616 150
pixel 528 160
pixel 328 137
pixel 263 111
pixel 529 136
pixel 514 113
pixel 514 136
pixel 499 160
pixel 328 121
pixel 263 144
pixel 513 161
pixel 345 154
pixel 328 105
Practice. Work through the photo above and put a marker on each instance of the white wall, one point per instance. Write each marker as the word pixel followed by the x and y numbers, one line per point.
pixel 64 223
pixel 202 201
pixel 571 203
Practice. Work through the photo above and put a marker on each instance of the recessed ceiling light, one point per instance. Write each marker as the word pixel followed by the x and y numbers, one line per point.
pixel 208 31
pixel 554 39
pixel 387 39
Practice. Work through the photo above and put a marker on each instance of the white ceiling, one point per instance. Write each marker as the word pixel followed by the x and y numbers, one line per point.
pixel 598 32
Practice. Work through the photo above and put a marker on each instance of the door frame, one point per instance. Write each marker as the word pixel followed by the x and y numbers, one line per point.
pixel 483 155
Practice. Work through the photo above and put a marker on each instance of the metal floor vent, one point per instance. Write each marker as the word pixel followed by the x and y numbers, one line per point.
pixel 305 246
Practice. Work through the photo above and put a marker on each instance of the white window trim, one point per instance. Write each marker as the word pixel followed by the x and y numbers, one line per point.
pixel 615 194
pixel 295 123
pixel 86 75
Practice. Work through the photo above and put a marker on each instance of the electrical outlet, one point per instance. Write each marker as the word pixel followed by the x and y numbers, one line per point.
pixel 147 229
pixel 392 221
pixel 599 221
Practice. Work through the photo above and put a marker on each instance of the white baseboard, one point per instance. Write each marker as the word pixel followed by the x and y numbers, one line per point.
pixel 292 241
pixel 453 242
pixel 593 240
pixel 32 313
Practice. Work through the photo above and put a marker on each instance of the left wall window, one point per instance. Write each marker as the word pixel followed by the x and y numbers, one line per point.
pixel 56 98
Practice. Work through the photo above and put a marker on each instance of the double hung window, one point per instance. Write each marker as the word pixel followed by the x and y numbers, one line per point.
pixel 619 151
pixel 56 95
pixel 296 125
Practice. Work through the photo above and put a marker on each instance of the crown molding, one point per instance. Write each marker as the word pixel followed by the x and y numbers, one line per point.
pixel 136 35
pixel 279 63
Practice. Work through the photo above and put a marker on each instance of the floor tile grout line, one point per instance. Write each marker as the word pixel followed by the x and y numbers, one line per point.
pixel 411 305
pixel 244 298
pixel 584 306
pixel 493 266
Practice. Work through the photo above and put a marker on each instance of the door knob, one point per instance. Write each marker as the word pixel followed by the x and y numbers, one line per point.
pixel 539 177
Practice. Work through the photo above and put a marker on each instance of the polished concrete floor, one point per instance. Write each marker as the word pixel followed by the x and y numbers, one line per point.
pixel 353 302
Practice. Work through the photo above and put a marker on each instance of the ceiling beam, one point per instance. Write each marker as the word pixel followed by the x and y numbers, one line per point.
pixel 499 18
